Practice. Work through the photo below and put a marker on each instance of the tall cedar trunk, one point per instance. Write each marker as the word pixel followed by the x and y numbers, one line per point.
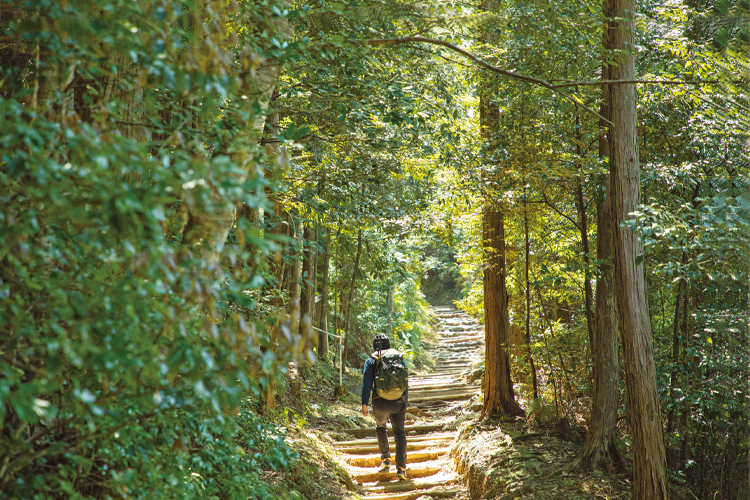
pixel 672 455
pixel 649 460
pixel 350 300
pixel 600 443
pixel 323 319
pixel 315 256
pixel 677 458
pixel 498 387
pixel 528 299
pixel 294 281
pixel 307 287
pixel 339 318
pixel 686 406
pixel 336 300
pixel 587 291
pixel 282 226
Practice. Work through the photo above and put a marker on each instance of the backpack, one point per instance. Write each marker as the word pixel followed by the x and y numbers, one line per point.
pixel 392 377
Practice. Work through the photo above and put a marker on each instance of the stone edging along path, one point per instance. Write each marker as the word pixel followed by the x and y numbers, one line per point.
pixel 433 401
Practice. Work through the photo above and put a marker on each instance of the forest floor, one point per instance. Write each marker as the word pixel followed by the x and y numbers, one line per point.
pixel 451 454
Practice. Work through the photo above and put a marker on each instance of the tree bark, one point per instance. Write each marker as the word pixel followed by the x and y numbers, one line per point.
pixel 314 255
pixel 281 227
pixel 307 287
pixel 600 444
pixel 528 299
pixel 336 300
pixel 323 319
pixel 649 458
pixel 294 280
pixel 350 298
pixel 587 289
pixel 498 386
pixel 208 227
pixel 672 454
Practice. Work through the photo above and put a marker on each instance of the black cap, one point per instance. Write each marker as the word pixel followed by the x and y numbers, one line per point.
pixel 381 342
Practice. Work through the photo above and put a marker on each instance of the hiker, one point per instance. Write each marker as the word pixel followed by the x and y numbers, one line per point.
pixel 385 374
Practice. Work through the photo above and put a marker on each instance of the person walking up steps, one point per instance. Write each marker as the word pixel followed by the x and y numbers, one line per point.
pixel 386 376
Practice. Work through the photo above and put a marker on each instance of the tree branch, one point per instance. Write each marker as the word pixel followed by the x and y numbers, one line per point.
pixel 553 207
pixel 536 81
pixel 484 64
pixel 650 82
pixel 481 62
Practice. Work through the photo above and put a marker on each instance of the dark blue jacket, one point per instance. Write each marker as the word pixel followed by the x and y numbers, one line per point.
pixel 368 379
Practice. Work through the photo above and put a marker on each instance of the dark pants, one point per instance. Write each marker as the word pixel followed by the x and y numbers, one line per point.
pixel 382 411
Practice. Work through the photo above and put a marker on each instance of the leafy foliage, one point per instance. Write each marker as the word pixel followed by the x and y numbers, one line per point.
pixel 125 351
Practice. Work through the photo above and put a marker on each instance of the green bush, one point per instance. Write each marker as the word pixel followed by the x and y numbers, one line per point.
pixel 124 352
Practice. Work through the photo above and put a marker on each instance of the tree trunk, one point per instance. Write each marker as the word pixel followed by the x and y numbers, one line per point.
pixel 391 306
pixel 315 256
pixel 323 320
pixel 350 299
pixel 281 227
pixel 587 290
pixel 294 280
pixel 336 300
pixel 528 299
pixel 672 455
pixel 307 287
pixel 649 460
pixel 498 386
pixel 600 444
pixel 208 227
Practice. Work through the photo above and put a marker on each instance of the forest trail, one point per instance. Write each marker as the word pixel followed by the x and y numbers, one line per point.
pixel 434 400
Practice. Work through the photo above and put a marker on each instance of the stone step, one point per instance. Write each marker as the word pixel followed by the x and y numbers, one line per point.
pixel 453 372
pixel 450 397
pixel 415 396
pixel 414 495
pixel 415 484
pixel 414 389
pixel 461 332
pixel 365 449
pixel 429 376
pixel 459 340
pixel 453 362
pixel 374 460
pixel 412 439
pixel 418 380
pixel 370 476
pixel 370 431
pixel 449 380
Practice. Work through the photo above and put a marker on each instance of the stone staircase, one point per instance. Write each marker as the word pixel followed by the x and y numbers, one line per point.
pixel 433 401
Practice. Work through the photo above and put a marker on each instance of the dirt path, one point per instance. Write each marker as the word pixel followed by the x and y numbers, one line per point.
pixel 434 399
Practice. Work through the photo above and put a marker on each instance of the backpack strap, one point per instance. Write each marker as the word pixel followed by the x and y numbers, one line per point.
pixel 376 356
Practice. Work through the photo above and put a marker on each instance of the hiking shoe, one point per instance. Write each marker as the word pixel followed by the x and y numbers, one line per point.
pixel 401 475
pixel 385 465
